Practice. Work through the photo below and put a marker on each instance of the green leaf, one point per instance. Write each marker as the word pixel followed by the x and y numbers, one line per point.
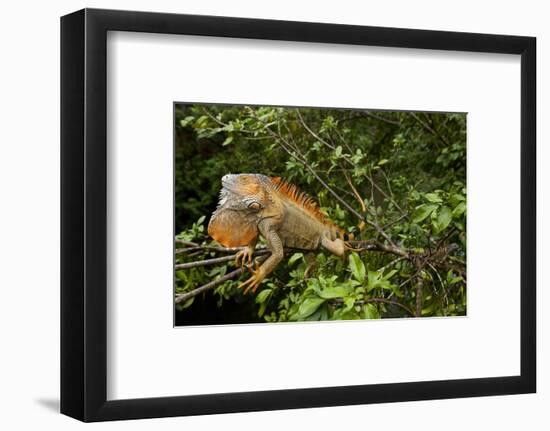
pixel 338 151
pixel 428 309
pixel 263 296
pixel 369 311
pixel 201 122
pixel 357 267
pixel 228 140
pixel 348 304
pixel 321 259
pixel 294 258
pixel 220 270
pixel 377 280
pixel 456 198
pixel 423 211
pixel 451 279
pixel 188 303
pixel 455 280
pixel 444 218
pixel 262 299
pixel 185 122
pixel 336 292
pixel 373 280
pixel 459 209
pixel 383 162
pixel 309 306
pixel 390 274
pixel 433 198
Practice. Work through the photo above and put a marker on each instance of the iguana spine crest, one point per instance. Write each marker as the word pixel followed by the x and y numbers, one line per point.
pixel 304 201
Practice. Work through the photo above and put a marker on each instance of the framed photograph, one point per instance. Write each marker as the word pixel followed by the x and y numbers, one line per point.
pixel 262 215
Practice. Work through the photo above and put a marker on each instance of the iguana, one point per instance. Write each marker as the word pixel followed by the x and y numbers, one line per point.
pixel 251 205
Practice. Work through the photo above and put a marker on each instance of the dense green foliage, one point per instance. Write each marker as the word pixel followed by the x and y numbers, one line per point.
pixel 403 173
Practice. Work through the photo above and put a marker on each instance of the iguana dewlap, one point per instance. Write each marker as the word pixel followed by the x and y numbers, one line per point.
pixel 253 204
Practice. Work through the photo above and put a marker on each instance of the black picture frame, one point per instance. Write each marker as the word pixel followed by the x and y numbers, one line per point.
pixel 84 214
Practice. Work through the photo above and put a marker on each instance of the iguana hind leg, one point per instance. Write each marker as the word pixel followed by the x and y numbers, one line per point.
pixel 275 245
pixel 311 264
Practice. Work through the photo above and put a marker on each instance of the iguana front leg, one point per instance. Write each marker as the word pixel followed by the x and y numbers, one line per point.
pixel 275 245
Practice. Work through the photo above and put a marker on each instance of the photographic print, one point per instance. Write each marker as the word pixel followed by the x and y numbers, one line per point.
pixel 340 208
pixel 294 214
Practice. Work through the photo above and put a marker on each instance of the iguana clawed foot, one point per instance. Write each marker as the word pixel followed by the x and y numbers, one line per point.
pixel 253 282
pixel 244 256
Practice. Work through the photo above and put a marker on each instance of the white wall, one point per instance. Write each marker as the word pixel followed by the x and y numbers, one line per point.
pixel 29 232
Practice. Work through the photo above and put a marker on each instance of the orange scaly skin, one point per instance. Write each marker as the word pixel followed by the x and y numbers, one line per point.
pixel 253 204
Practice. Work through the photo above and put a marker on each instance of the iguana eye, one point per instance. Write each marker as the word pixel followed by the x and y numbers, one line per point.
pixel 255 206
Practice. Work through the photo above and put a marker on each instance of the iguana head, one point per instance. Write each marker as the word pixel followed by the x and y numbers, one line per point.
pixel 245 200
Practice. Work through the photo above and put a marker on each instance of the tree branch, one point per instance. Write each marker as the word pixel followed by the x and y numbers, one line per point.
pixel 212 249
pixel 312 133
pixel 182 297
pixel 429 129
pixel 186 243
pixel 215 260
pixel 373 245
pixel 385 120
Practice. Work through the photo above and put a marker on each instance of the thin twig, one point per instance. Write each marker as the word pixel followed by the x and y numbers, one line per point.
pixel 215 260
pixel 446 237
pixel 429 129
pixel 344 141
pixel 347 193
pixel 186 243
pixel 393 262
pixel 383 193
pixel 419 292
pixel 440 282
pixel 312 133
pixel 356 193
pixel 408 279
pixel 373 245
pixel 397 220
pixel 387 182
pixel 388 301
pixel 221 123
pixel 385 120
